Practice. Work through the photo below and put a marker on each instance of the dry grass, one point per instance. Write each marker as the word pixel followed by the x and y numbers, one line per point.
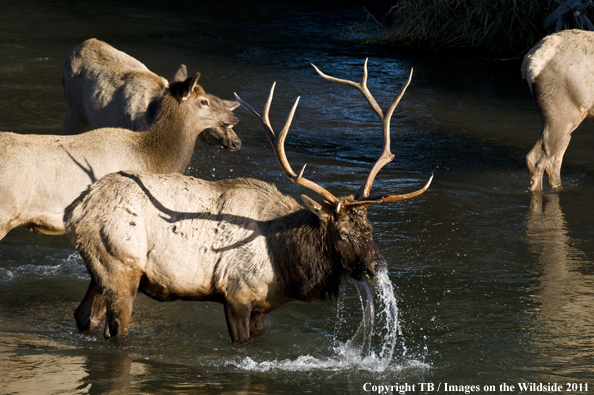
pixel 493 28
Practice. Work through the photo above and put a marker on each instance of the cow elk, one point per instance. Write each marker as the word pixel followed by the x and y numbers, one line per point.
pixel 239 242
pixel 41 174
pixel 104 87
pixel 560 73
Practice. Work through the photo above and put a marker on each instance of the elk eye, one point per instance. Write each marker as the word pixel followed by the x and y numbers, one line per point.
pixel 204 102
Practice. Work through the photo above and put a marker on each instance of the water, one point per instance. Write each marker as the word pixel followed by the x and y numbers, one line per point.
pixel 371 348
pixel 492 285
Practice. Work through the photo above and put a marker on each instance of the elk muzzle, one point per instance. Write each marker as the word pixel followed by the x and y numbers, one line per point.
pixel 222 136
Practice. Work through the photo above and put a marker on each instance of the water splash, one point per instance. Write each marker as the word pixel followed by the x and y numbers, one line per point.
pixel 371 348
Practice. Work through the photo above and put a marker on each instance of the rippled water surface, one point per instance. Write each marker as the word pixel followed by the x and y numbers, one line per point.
pixel 487 283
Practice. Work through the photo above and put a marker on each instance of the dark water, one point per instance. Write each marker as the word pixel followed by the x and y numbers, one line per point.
pixel 492 285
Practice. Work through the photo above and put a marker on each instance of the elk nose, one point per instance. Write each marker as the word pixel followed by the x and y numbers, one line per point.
pixel 379 265
pixel 235 145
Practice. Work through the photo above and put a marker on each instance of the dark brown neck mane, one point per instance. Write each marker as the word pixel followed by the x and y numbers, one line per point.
pixel 309 268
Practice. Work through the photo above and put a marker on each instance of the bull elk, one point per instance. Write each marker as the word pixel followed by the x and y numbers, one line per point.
pixel 41 174
pixel 105 87
pixel 560 73
pixel 238 242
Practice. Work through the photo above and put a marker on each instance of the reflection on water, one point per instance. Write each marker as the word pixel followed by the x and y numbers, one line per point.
pixel 28 368
pixel 562 295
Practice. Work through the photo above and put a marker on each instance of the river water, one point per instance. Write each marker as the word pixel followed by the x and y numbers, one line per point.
pixel 491 285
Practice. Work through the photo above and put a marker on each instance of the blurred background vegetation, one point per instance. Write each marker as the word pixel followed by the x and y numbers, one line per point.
pixel 483 28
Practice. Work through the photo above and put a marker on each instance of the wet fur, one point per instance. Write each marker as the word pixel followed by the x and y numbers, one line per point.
pixel 239 242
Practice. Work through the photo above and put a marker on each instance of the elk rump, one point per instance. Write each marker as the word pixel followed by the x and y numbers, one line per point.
pixel 560 73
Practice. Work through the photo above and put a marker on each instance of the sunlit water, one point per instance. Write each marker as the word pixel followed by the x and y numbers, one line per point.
pixel 486 283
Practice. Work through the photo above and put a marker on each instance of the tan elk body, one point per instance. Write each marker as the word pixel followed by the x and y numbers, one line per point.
pixel 41 174
pixel 239 242
pixel 105 87
pixel 560 73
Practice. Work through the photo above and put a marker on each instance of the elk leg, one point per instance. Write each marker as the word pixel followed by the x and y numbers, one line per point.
pixel 559 121
pixel 547 153
pixel 554 166
pixel 119 312
pixel 238 321
pixel 257 324
pixel 120 302
pixel 91 309
pixel 536 161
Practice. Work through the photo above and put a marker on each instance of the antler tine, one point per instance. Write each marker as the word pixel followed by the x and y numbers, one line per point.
pixel 390 198
pixel 278 145
pixel 267 110
pixel 361 87
pixel 263 119
pixel 387 156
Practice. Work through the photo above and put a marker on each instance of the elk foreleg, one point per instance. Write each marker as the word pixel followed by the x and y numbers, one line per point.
pixel 238 321
pixel 92 308
pixel 257 324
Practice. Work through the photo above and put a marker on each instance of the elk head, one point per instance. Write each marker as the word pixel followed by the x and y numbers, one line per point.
pixel 348 230
pixel 200 107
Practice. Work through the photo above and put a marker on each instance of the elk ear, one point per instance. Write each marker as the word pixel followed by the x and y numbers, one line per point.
pixel 181 74
pixel 231 104
pixel 188 86
pixel 322 209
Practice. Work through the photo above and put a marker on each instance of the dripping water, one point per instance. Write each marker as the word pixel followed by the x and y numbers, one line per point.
pixel 371 347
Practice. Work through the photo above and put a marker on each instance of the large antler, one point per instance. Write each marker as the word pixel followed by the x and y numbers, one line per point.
pixel 386 156
pixel 278 145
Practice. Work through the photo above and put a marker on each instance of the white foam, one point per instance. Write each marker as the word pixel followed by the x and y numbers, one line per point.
pixel 369 349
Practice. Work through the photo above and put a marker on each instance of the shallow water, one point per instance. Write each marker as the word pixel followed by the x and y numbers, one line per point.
pixel 491 284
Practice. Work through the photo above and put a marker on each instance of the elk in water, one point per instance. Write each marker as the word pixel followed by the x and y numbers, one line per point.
pixel 105 87
pixel 560 74
pixel 42 174
pixel 239 242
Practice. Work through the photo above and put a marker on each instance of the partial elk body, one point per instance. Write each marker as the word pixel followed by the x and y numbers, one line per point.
pixel 560 73
pixel 238 242
pixel 41 174
pixel 105 87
